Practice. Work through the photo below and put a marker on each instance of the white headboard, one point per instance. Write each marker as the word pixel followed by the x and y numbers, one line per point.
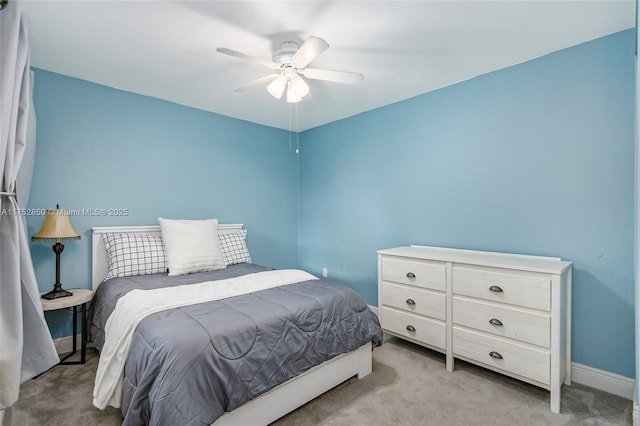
pixel 99 260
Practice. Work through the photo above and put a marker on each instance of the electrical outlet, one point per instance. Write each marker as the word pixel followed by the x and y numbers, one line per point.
pixel 325 273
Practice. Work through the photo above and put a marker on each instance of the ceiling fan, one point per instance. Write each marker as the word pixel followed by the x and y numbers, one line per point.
pixel 289 62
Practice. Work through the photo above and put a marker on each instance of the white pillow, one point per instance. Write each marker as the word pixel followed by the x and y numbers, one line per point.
pixel 191 246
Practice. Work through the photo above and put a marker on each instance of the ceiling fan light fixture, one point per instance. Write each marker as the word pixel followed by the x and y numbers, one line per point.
pixel 299 86
pixel 277 86
pixel 292 97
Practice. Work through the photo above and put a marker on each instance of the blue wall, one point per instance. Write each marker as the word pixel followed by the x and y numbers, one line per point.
pixel 99 147
pixel 536 158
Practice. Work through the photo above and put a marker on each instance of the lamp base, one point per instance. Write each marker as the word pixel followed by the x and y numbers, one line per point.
pixel 56 293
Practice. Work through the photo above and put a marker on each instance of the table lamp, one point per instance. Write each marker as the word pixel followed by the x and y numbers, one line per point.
pixel 56 227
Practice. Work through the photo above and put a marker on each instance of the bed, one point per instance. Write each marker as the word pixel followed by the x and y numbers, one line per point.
pixel 325 338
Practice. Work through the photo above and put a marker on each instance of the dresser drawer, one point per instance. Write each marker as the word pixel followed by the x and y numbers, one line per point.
pixel 515 323
pixel 415 300
pixel 422 329
pixel 425 274
pixel 528 290
pixel 534 364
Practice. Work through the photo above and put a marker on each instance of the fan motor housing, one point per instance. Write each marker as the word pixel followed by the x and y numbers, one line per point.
pixel 283 55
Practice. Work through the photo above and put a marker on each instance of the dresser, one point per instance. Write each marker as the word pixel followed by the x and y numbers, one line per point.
pixel 507 312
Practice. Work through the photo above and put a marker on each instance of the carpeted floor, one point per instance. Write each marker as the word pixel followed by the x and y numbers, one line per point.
pixel 409 386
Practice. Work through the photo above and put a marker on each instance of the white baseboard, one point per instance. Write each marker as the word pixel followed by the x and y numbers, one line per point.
pixel 65 344
pixel 603 380
pixel 374 309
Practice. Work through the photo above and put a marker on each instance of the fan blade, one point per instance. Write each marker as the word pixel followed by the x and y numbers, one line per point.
pixel 249 58
pixel 336 76
pixel 256 83
pixel 310 50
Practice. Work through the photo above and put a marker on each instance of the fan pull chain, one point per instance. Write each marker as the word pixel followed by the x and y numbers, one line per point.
pixel 289 105
pixel 297 130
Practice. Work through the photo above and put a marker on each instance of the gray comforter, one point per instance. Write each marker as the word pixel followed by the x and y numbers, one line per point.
pixel 187 366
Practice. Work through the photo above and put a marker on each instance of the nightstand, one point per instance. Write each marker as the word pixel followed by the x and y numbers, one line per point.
pixel 80 298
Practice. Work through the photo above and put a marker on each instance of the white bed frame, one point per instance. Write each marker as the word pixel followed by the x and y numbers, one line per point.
pixel 280 400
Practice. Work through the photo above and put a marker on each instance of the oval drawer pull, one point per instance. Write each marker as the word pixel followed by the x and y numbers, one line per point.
pixel 494 354
pixel 411 328
pixel 494 321
pixel 495 289
pixel 411 302
pixel 411 275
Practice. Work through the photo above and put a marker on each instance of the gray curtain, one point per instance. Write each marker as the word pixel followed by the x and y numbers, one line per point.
pixel 26 347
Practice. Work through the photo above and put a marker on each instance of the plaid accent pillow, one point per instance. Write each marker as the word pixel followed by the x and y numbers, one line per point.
pixel 234 247
pixel 134 254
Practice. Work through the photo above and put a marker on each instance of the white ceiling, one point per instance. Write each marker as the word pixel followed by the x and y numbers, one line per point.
pixel 167 49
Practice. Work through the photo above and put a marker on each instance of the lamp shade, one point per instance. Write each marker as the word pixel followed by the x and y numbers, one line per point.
pixel 56 226
pixel 299 87
pixel 292 97
pixel 277 86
